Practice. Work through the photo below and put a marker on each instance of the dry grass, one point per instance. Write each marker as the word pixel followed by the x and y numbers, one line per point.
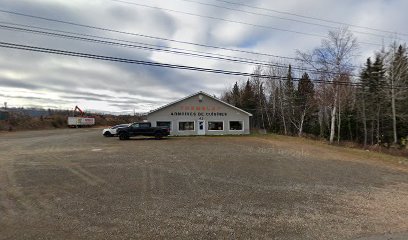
pixel 322 149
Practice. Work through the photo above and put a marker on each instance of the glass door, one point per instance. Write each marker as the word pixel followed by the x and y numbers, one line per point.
pixel 201 127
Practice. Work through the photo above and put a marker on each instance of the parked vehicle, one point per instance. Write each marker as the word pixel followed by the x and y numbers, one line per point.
pixel 112 131
pixel 142 129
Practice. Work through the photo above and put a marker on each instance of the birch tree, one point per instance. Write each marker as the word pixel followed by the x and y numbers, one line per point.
pixel 303 103
pixel 397 79
pixel 332 60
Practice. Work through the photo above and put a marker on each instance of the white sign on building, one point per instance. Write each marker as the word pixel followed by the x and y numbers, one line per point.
pixel 201 114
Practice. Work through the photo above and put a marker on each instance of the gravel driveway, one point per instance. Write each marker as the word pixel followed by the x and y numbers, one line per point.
pixel 76 184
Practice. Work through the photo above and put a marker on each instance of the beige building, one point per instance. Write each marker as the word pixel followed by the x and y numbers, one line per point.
pixel 200 114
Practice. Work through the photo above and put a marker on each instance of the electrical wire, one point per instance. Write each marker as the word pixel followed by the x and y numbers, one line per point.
pixel 156 64
pixel 313 18
pixel 144 35
pixel 174 66
pixel 225 58
pixel 287 19
pixel 232 21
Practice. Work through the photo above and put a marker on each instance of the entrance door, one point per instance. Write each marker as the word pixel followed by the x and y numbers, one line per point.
pixel 201 127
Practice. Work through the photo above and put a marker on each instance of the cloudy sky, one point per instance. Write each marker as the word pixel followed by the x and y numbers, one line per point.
pixel 270 27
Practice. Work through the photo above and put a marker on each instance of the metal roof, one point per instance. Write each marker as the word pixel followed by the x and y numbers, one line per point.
pixel 203 93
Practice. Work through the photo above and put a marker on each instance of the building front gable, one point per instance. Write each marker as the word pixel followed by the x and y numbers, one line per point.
pixel 199 103
pixel 199 111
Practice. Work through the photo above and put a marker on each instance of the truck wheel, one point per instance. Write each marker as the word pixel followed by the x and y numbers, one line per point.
pixel 107 134
pixel 158 135
pixel 123 136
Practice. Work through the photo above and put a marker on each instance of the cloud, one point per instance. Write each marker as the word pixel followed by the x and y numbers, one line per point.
pixel 17 84
pixel 27 78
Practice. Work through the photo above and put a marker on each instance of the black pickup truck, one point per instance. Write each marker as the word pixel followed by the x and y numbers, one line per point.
pixel 142 129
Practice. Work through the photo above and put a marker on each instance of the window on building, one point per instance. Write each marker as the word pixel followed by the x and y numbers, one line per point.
pixel 236 125
pixel 216 126
pixel 163 124
pixel 186 126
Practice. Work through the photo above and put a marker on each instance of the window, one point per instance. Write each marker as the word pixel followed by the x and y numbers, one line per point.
pixel 215 126
pixel 120 126
pixel 236 125
pixel 162 124
pixel 186 126
pixel 140 125
pixel 144 125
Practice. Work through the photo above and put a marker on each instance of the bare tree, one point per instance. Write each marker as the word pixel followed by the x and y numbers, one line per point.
pixel 276 91
pixel 397 79
pixel 332 60
pixel 303 103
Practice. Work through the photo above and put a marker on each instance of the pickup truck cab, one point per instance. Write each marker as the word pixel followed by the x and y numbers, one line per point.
pixel 142 129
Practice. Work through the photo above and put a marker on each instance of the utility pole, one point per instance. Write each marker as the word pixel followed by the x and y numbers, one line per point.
pixel 5 105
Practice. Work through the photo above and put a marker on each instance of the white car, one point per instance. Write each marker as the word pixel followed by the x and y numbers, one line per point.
pixel 110 132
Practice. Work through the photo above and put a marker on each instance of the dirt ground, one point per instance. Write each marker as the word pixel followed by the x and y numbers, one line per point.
pixel 76 184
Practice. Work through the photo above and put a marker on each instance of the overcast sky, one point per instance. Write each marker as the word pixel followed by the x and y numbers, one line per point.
pixel 53 81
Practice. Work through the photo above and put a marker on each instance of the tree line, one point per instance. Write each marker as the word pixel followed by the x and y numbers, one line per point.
pixel 325 98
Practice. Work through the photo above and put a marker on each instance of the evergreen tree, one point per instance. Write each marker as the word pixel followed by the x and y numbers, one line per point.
pixel 248 98
pixel 363 93
pixel 376 97
pixel 236 96
pixel 289 98
pixel 304 103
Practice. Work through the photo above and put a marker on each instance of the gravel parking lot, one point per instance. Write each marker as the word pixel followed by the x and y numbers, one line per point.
pixel 76 184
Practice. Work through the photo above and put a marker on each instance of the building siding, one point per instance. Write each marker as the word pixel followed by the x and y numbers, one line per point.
pixel 205 109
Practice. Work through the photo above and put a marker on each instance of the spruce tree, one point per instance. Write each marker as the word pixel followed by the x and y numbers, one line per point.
pixel 236 96
pixel 304 103
pixel 377 83
pixel 248 98
pixel 363 95
pixel 289 97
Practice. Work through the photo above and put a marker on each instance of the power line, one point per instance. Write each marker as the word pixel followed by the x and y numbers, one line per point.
pixel 156 64
pixel 283 18
pixel 174 66
pixel 143 35
pixel 115 39
pixel 313 18
pixel 217 18
pixel 155 48
pixel 231 21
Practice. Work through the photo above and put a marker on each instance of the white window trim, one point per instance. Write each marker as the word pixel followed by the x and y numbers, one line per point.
pixel 178 125
pixel 208 126
pixel 171 123
pixel 229 125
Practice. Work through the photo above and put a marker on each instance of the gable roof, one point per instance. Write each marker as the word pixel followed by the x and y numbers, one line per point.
pixel 205 94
